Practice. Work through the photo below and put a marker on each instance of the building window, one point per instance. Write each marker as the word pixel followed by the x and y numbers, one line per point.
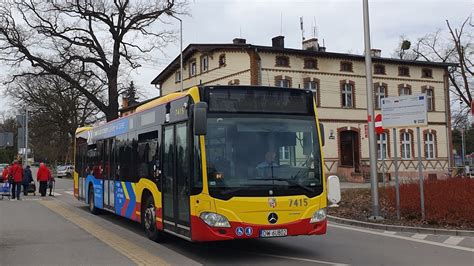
pixel 379 69
pixel 382 144
pixel 284 153
pixel 347 93
pixel 282 61
pixel 429 98
pixel 403 71
pixel 310 64
pixel 284 82
pixel 222 60
pixel 204 63
pixel 177 76
pixel 429 145
pixel 406 139
pixel 192 68
pixel 426 73
pixel 380 93
pixel 312 85
pixel 346 66
pixel 404 90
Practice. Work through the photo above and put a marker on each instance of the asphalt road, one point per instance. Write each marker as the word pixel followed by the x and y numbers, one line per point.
pixel 61 231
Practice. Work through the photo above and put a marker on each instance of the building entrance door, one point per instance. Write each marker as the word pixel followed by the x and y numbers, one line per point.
pixel 350 149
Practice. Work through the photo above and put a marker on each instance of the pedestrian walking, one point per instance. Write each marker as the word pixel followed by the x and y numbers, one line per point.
pixel 16 172
pixel 42 177
pixel 51 183
pixel 27 179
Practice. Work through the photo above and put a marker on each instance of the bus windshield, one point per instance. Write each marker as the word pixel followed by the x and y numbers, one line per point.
pixel 262 155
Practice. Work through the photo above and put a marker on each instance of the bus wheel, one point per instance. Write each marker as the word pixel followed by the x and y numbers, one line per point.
pixel 92 208
pixel 149 219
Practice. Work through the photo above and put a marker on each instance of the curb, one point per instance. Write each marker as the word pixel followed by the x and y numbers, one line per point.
pixel 398 228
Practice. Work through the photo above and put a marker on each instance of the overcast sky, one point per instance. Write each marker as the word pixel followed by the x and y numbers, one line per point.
pixel 338 22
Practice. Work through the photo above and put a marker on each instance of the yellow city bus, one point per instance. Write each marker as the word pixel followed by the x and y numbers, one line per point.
pixel 211 163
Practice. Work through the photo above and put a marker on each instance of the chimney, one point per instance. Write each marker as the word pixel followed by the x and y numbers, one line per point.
pixel 322 49
pixel 278 42
pixel 311 44
pixel 239 41
pixel 375 52
pixel 124 101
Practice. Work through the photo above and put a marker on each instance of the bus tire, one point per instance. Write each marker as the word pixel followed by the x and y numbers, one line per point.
pixel 148 218
pixel 92 208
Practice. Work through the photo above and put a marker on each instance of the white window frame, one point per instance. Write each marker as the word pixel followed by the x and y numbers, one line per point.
pixel 348 96
pixel 192 69
pixel 402 91
pixel 177 76
pixel 204 63
pixel 284 153
pixel 283 82
pixel 384 141
pixel 430 151
pixel 429 99
pixel 406 145
pixel 379 96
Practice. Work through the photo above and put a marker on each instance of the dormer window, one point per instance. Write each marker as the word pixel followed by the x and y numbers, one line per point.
pixel 346 66
pixel 282 61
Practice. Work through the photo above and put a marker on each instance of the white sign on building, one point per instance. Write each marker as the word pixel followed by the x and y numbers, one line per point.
pixel 404 111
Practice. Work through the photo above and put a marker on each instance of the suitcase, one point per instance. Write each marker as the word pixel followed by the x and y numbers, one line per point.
pixel 32 188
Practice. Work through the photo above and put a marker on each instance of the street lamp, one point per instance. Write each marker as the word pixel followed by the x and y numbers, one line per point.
pixel 169 13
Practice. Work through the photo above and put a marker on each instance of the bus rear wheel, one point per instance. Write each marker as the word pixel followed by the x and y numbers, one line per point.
pixel 149 220
pixel 92 208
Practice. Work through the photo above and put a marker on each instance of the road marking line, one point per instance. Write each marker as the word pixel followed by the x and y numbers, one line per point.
pixel 57 194
pixel 419 236
pixel 69 192
pixel 293 258
pixel 389 232
pixel 132 251
pixel 401 237
pixel 453 240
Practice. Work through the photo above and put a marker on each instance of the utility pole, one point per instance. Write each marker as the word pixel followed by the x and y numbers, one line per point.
pixel 371 116
pixel 25 160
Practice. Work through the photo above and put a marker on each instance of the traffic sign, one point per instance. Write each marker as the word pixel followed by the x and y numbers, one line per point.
pixel 378 124
pixel 404 111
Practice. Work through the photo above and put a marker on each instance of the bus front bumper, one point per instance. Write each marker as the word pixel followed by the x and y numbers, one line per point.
pixel 203 232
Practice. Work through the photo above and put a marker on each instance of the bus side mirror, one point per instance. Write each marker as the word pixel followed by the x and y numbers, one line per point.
pixel 200 118
pixel 334 190
pixel 321 129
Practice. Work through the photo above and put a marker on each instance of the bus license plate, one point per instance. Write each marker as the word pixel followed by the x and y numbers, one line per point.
pixel 273 233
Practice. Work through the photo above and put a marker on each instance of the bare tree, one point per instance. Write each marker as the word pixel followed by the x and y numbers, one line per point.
pixel 98 38
pixel 56 111
pixel 452 46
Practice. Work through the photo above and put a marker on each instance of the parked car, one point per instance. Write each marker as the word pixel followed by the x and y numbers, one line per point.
pixel 64 171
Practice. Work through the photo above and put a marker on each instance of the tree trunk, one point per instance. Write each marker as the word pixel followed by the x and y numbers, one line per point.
pixel 112 108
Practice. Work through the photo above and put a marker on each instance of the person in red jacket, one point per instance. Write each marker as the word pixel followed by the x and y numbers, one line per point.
pixel 16 172
pixel 5 174
pixel 42 177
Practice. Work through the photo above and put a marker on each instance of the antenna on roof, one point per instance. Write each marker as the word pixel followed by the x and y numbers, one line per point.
pixel 302 28
pixel 315 29
pixel 323 43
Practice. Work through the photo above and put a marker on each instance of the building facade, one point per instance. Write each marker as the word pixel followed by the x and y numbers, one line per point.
pixel 339 86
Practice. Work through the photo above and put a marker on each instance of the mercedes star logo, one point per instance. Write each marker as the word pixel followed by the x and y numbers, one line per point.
pixel 272 218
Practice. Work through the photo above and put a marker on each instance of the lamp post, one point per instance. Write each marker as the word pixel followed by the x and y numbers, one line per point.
pixel 169 13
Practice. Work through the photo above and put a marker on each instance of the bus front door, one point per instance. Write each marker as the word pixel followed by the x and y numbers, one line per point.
pixel 175 182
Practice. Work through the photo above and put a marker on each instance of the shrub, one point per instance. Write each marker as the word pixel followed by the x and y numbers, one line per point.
pixel 447 202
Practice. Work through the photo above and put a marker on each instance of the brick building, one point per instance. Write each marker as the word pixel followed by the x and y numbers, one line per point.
pixel 338 82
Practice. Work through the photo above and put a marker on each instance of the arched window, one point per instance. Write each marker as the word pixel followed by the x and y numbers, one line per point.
pixel 347 95
pixel 406 139
pixel 380 93
pixel 429 138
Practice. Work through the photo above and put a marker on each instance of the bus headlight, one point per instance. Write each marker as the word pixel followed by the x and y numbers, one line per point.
pixel 318 216
pixel 214 219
